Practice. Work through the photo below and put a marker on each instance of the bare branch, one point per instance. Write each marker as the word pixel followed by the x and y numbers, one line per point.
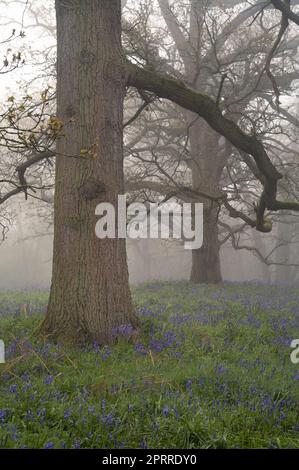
pixel 286 10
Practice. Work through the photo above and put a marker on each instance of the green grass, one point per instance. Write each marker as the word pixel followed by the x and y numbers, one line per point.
pixel 212 370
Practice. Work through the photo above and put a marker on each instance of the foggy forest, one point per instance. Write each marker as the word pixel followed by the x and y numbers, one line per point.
pixel 149 226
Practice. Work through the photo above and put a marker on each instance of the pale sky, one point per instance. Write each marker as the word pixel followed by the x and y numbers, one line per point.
pixel 12 16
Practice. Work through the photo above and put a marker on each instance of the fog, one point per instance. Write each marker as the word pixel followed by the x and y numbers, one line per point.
pixel 26 256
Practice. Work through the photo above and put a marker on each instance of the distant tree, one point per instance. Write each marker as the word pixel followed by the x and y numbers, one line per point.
pixel 224 53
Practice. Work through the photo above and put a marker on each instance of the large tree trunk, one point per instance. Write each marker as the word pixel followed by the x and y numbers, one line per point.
pixel 90 293
pixel 207 166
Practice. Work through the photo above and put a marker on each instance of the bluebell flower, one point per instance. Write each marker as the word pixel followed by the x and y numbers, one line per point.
pixel 49 445
pixel 48 380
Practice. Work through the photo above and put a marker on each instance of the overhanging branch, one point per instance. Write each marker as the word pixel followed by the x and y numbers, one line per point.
pixel 286 10
pixel 177 92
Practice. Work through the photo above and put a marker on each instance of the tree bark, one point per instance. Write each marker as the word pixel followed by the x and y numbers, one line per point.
pixel 90 295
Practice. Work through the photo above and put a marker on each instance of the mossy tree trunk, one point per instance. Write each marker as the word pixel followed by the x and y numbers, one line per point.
pixel 90 294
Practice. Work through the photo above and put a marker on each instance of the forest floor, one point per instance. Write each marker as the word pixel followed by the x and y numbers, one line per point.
pixel 212 370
